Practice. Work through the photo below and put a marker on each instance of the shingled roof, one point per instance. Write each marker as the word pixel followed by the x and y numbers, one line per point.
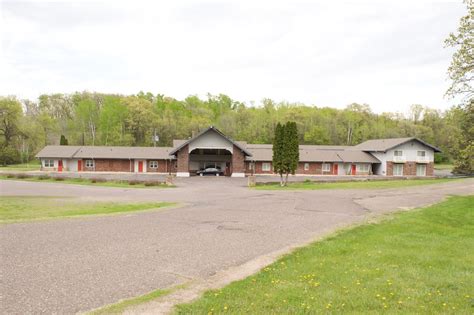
pixel 314 153
pixel 58 151
pixel 104 152
pixel 181 145
pixel 383 145
pixel 123 152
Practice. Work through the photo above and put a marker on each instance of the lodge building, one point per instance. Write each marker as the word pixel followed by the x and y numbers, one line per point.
pixel 211 148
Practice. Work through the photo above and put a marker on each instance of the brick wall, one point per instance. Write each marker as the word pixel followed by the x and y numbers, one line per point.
pixel 238 161
pixel 163 166
pixel 409 169
pixel 106 165
pixel 259 170
pixel 430 169
pixel 314 168
pixel 183 159
pixel 389 168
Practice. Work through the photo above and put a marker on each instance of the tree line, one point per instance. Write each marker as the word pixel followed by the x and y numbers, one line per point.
pixel 105 119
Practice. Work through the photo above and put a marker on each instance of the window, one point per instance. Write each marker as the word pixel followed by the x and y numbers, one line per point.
pixel 48 163
pixel 153 164
pixel 421 170
pixel 398 153
pixel 326 167
pixel 363 168
pixel 89 163
pixel 397 169
pixel 266 167
pixel 306 166
pixel 421 153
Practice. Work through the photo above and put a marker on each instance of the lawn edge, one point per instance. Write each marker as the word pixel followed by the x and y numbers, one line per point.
pixel 170 205
pixel 85 183
pixel 327 185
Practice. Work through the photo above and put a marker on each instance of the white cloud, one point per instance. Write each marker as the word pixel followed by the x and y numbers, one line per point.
pixel 326 53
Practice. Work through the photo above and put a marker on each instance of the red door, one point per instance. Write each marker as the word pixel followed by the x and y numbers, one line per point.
pixel 79 165
pixel 335 169
pixel 60 165
pixel 353 169
pixel 140 166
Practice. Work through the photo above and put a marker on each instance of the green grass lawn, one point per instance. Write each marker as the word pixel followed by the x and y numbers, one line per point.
pixel 31 166
pixel 84 181
pixel 417 262
pixel 26 208
pixel 375 184
pixel 120 307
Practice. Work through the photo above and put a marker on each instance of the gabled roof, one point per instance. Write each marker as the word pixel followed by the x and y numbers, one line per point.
pixel 383 145
pixel 105 152
pixel 58 151
pixel 356 156
pixel 237 144
pixel 314 153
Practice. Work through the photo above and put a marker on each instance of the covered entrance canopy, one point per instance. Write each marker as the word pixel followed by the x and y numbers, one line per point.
pixel 210 148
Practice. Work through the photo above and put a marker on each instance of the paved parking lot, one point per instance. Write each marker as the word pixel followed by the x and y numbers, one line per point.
pixel 73 265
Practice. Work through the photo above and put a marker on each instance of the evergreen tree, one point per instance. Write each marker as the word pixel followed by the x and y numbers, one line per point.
pixel 285 150
pixel 279 151
pixel 292 153
pixel 63 140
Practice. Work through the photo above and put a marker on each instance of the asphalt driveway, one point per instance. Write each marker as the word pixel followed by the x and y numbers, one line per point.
pixel 74 265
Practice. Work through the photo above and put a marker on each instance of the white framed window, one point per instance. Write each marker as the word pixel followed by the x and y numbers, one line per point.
pixel 421 153
pixel 153 164
pixel 48 163
pixel 397 169
pixel 326 167
pixel 420 170
pixel 89 163
pixel 266 167
pixel 306 166
pixel 398 153
pixel 363 168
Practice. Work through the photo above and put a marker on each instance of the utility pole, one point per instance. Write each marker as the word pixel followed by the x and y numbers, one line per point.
pixel 156 138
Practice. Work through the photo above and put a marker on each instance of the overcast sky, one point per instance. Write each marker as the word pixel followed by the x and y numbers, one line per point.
pixel 388 54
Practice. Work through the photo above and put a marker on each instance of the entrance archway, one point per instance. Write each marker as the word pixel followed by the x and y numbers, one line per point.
pixel 201 158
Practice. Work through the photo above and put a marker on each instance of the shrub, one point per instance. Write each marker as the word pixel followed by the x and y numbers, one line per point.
pixel 134 182
pixel 22 176
pixel 11 176
pixel 59 179
pixel 98 180
pixel 44 177
pixel 152 183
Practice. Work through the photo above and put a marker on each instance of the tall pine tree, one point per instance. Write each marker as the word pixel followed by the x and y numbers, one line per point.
pixel 292 153
pixel 279 151
pixel 285 150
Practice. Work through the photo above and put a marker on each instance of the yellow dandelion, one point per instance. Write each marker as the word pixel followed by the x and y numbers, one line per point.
pixel 225 308
pixel 400 302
